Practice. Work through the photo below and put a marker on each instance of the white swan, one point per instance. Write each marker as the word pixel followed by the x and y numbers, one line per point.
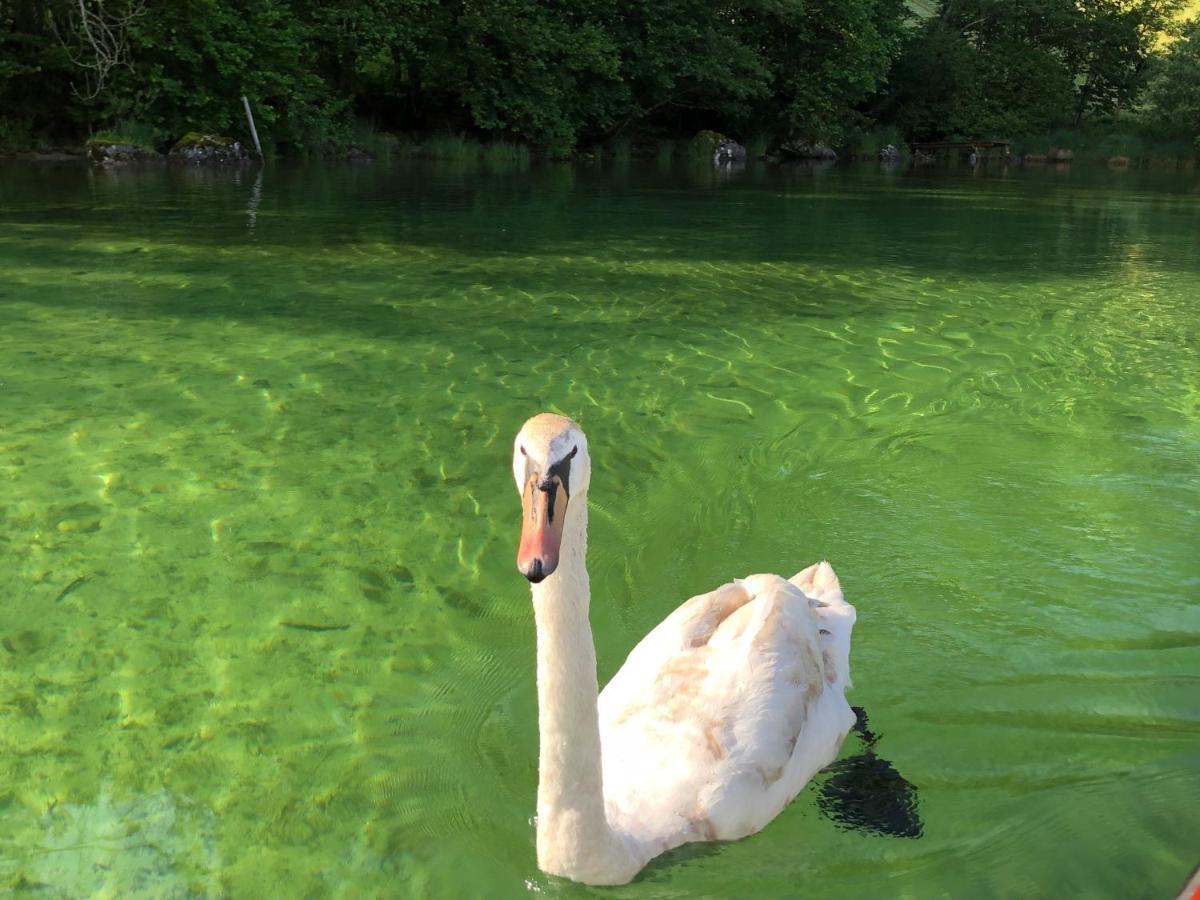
pixel 715 722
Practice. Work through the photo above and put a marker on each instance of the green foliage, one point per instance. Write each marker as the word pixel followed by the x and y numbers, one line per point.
pixel 196 62
pixel 981 67
pixel 823 57
pixel 978 69
pixel 35 97
pixel 1175 90
pixel 540 71
pixel 550 74
pixel 15 134
pixel 569 73
pixel 1112 46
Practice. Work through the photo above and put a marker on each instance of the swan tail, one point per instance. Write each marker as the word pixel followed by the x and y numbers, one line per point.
pixel 820 582
pixel 835 618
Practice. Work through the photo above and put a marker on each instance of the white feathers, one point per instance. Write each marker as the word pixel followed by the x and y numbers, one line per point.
pixel 835 615
pixel 725 710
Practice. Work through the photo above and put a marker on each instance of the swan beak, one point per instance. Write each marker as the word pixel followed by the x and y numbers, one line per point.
pixel 544 505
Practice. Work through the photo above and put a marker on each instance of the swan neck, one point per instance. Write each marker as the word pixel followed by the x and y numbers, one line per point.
pixel 574 838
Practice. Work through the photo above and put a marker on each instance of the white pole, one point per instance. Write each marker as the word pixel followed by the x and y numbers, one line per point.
pixel 253 130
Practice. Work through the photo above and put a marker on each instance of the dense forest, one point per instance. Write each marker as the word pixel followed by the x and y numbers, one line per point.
pixel 560 75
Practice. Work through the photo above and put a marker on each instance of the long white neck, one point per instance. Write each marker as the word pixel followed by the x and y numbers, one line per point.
pixel 574 838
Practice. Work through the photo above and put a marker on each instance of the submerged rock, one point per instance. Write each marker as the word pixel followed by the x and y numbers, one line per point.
pixel 109 153
pixel 209 149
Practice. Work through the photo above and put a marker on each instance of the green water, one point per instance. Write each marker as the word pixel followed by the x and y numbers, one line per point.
pixel 261 631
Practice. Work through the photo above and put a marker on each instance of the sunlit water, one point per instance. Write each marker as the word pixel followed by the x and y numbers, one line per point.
pixel 261 631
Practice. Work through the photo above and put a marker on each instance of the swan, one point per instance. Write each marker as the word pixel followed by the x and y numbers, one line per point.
pixel 719 716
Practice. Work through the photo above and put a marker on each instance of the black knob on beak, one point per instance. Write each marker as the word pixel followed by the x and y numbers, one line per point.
pixel 534 572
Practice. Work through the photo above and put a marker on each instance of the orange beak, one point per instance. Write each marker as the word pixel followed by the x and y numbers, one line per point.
pixel 544 505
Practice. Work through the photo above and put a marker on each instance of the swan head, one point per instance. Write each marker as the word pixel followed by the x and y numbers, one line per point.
pixel 551 466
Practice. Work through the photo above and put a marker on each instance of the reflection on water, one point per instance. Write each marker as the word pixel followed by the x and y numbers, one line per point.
pixel 262 632
pixel 865 792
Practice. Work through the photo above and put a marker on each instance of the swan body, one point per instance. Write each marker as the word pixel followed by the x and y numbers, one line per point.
pixel 717 719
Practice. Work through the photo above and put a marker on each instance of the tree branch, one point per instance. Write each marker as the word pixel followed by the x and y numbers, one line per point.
pixel 97 41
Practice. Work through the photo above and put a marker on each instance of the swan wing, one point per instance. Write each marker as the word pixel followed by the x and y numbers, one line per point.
pixel 725 710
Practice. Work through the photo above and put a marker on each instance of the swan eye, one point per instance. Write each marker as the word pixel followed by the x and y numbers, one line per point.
pixel 521 447
pixel 562 470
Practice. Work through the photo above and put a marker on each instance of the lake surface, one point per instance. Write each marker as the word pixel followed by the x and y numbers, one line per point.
pixel 261 630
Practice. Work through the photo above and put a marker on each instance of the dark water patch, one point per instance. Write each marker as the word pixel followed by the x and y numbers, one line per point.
pixel 23 643
pixel 864 792
pixel 1156 640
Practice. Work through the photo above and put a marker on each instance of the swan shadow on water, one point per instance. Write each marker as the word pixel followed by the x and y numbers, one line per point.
pixel 863 792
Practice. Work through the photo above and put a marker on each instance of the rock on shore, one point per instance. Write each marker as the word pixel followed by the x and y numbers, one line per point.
pixel 208 149
pixel 107 153
pixel 729 152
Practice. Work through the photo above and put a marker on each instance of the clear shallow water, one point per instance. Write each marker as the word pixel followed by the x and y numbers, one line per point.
pixel 261 631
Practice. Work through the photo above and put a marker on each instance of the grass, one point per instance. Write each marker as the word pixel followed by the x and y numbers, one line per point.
pixel 457 147
pixel 504 156
pixel 495 156
pixel 131 131
pixel 382 144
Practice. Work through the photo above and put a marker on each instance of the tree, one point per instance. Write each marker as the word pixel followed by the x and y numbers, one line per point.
pixel 1020 67
pixel 934 88
pixel 542 72
pixel 1108 50
pixel 825 57
pixel 984 68
pixel 96 38
pixel 1175 89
